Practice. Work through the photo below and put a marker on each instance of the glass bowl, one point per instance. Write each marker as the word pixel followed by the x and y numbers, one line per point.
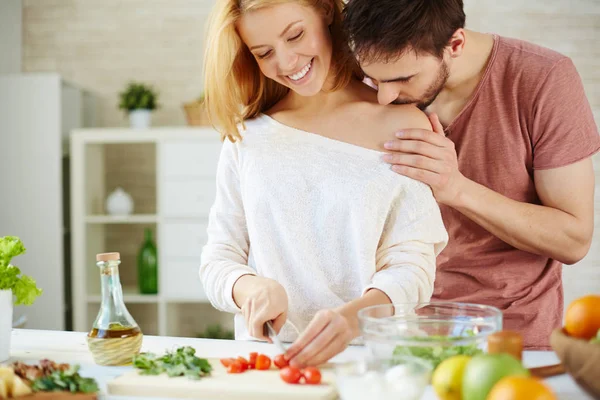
pixel 394 378
pixel 431 331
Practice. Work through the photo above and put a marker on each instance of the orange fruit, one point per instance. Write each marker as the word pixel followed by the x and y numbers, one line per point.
pixel 520 388
pixel 582 319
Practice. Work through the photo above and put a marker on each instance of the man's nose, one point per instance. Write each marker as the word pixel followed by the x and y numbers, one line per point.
pixel 386 94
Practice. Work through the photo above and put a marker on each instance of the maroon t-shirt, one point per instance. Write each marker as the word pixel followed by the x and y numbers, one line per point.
pixel 529 112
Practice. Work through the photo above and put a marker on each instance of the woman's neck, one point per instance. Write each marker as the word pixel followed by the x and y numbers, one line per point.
pixel 324 102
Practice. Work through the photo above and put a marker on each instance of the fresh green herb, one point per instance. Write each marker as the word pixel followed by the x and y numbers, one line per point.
pixel 439 350
pixel 68 380
pixel 23 287
pixel 181 362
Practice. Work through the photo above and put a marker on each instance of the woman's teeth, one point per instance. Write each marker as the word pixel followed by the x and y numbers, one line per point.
pixel 302 73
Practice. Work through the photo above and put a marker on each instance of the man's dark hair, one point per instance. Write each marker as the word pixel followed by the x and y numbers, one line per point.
pixel 380 30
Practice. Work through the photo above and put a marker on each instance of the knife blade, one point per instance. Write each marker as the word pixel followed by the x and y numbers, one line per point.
pixel 273 335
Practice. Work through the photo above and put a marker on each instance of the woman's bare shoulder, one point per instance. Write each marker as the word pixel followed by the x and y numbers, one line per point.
pixel 401 116
pixel 380 123
pixel 391 116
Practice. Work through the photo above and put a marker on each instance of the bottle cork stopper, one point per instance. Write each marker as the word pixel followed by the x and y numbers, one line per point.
pixel 108 257
pixel 508 342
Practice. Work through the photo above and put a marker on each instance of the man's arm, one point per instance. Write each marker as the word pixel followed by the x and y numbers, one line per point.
pixel 560 228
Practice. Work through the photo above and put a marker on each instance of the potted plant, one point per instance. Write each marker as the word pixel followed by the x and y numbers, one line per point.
pixel 12 284
pixel 139 100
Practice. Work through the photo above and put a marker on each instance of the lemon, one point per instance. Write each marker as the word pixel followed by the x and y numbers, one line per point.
pixel 447 377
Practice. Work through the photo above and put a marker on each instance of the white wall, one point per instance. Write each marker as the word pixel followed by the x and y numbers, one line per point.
pixel 10 36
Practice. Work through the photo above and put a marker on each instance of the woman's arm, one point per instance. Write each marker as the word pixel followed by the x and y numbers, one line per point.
pixel 225 255
pixel 229 283
pixel 413 236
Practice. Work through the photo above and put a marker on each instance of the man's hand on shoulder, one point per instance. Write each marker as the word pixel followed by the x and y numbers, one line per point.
pixel 427 156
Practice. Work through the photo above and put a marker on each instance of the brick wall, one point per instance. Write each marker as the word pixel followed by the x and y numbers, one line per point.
pixel 101 45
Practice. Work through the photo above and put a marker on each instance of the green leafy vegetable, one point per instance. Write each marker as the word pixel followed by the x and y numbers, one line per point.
pixel 181 362
pixel 23 287
pixel 439 349
pixel 68 380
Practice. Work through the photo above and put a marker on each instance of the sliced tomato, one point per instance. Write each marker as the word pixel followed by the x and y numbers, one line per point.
pixel 280 361
pixel 290 375
pixel 312 375
pixel 263 362
pixel 227 361
pixel 235 367
pixel 252 360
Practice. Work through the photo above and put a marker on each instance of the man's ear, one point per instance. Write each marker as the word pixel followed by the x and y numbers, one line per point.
pixel 456 44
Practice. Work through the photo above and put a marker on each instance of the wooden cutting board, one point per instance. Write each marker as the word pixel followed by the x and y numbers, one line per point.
pixel 250 385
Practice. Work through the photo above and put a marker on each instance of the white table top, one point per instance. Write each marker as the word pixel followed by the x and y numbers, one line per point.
pixel 71 347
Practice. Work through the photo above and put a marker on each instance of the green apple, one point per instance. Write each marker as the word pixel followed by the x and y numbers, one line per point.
pixel 483 371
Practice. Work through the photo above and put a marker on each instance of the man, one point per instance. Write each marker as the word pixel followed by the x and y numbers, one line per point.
pixel 509 161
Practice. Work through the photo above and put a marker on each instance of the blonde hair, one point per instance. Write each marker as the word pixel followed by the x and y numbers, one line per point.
pixel 235 88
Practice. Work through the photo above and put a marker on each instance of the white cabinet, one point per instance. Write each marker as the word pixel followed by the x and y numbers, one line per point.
pixel 183 240
pixel 184 190
pixel 187 197
pixel 185 158
pixel 180 281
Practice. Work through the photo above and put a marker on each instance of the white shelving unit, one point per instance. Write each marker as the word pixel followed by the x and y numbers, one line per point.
pixel 185 161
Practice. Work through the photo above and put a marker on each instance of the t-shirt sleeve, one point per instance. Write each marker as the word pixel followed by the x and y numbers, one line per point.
pixel 563 129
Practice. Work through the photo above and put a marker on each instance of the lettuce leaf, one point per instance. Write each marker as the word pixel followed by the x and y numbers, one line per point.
pixel 10 247
pixel 23 287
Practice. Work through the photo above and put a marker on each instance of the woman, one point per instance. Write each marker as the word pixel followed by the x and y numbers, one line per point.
pixel 309 225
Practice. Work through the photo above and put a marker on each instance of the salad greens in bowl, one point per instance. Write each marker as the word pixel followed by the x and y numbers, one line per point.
pixel 430 331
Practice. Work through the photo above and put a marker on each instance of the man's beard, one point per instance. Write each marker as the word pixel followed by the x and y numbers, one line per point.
pixel 432 92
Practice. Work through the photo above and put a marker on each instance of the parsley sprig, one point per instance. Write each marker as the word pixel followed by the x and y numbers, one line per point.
pixel 68 380
pixel 181 362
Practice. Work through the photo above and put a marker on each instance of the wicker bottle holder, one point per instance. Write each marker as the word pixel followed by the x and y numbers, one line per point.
pixel 114 351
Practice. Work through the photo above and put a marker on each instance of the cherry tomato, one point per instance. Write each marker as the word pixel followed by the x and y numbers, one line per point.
pixel 280 361
pixel 252 362
pixel 290 375
pixel 227 361
pixel 244 362
pixel 235 367
pixel 312 375
pixel 263 362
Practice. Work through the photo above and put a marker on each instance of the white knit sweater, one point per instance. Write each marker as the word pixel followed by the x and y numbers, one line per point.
pixel 326 219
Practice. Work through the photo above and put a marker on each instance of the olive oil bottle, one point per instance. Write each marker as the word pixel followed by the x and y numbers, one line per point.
pixel 115 336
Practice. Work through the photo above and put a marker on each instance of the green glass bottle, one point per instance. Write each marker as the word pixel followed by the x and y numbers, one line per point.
pixel 148 265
